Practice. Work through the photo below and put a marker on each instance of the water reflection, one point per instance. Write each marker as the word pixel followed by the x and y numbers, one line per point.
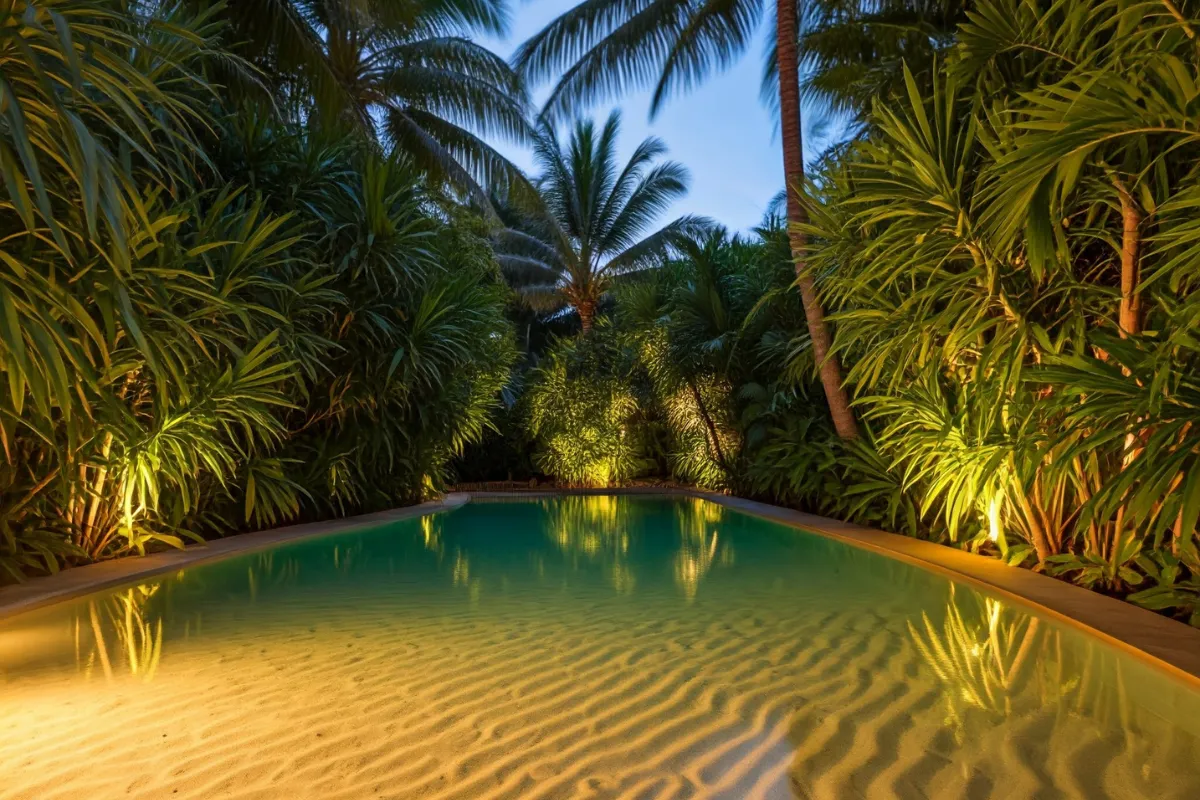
pixel 273 569
pixel 593 531
pixel 126 635
pixel 982 662
pixel 608 637
pixel 431 534
pixel 605 533
pixel 982 699
pixel 700 546
pixel 980 652
pixel 996 663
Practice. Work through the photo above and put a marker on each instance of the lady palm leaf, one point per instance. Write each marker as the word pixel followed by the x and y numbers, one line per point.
pixel 178 357
pixel 1148 394
pixel 853 53
pixel 977 243
pixel 75 102
pixel 910 224
pixel 1115 136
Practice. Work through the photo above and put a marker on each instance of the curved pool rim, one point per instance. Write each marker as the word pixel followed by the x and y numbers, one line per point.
pixel 1165 644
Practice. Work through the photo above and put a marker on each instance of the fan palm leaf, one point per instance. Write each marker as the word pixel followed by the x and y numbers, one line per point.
pixel 592 226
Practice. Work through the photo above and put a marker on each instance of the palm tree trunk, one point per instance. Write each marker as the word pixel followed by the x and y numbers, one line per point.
pixel 793 173
pixel 1129 314
pixel 1037 533
pixel 711 426
pixel 1129 319
pixel 587 313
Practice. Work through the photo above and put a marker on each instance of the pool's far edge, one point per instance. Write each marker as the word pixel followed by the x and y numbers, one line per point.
pixel 1166 644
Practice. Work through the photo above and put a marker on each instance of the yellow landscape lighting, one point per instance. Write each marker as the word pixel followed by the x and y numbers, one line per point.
pixel 993 514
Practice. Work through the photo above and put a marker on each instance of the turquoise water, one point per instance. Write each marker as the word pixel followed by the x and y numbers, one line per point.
pixel 576 647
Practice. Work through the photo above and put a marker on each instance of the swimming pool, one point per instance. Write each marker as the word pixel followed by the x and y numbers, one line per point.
pixel 576 647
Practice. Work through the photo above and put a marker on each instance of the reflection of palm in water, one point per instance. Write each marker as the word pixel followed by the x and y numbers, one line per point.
pixel 125 637
pixel 594 529
pixel 984 700
pixel 980 654
pixel 700 545
pixel 589 526
pixel 460 568
pixel 597 529
pixel 1001 663
pixel 591 529
pixel 122 633
pixel 812 682
pixel 600 531
pixel 270 569
pixel 431 532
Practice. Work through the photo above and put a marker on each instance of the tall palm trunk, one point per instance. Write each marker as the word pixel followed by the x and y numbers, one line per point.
pixel 1130 314
pixel 587 313
pixel 793 173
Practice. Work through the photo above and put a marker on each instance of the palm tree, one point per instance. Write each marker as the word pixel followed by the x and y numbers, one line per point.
pixel 407 71
pixel 1016 264
pixel 601 46
pixel 853 53
pixel 592 227
pixel 212 319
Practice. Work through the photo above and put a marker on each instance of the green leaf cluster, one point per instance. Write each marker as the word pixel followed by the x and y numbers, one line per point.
pixel 216 314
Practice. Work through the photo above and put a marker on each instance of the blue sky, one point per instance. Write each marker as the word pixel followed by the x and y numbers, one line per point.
pixel 721 131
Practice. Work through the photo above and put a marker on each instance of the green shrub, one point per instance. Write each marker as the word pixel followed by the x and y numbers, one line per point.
pixel 219 322
pixel 582 408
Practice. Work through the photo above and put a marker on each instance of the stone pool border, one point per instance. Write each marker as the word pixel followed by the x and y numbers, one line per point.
pixel 1158 641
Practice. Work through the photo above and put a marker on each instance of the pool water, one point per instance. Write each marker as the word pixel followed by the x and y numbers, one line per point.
pixel 576 647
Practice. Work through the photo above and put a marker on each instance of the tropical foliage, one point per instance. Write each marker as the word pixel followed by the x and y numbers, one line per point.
pixel 583 411
pixel 853 53
pixel 1008 253
pixel 605 46
pixel 697 359
pixel 213 317
pixel 1012 267
pixel 259 262
pixel 408 71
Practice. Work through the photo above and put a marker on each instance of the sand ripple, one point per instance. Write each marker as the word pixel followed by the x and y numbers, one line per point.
pixel 503 678
pixel 530 704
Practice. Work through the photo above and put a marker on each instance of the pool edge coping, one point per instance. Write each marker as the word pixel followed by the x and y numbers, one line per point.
pixel 1168 645
pixel 1158 641
pixel 75 582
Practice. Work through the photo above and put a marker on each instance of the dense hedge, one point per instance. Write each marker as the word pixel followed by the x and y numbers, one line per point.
pixel 212 318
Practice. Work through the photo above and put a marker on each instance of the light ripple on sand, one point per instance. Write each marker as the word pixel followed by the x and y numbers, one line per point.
pixel 534 704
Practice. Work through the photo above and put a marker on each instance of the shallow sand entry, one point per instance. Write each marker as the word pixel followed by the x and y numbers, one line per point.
pixel 575 650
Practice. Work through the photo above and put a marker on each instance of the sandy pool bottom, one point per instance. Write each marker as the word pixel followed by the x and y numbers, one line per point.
pixel 533 702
